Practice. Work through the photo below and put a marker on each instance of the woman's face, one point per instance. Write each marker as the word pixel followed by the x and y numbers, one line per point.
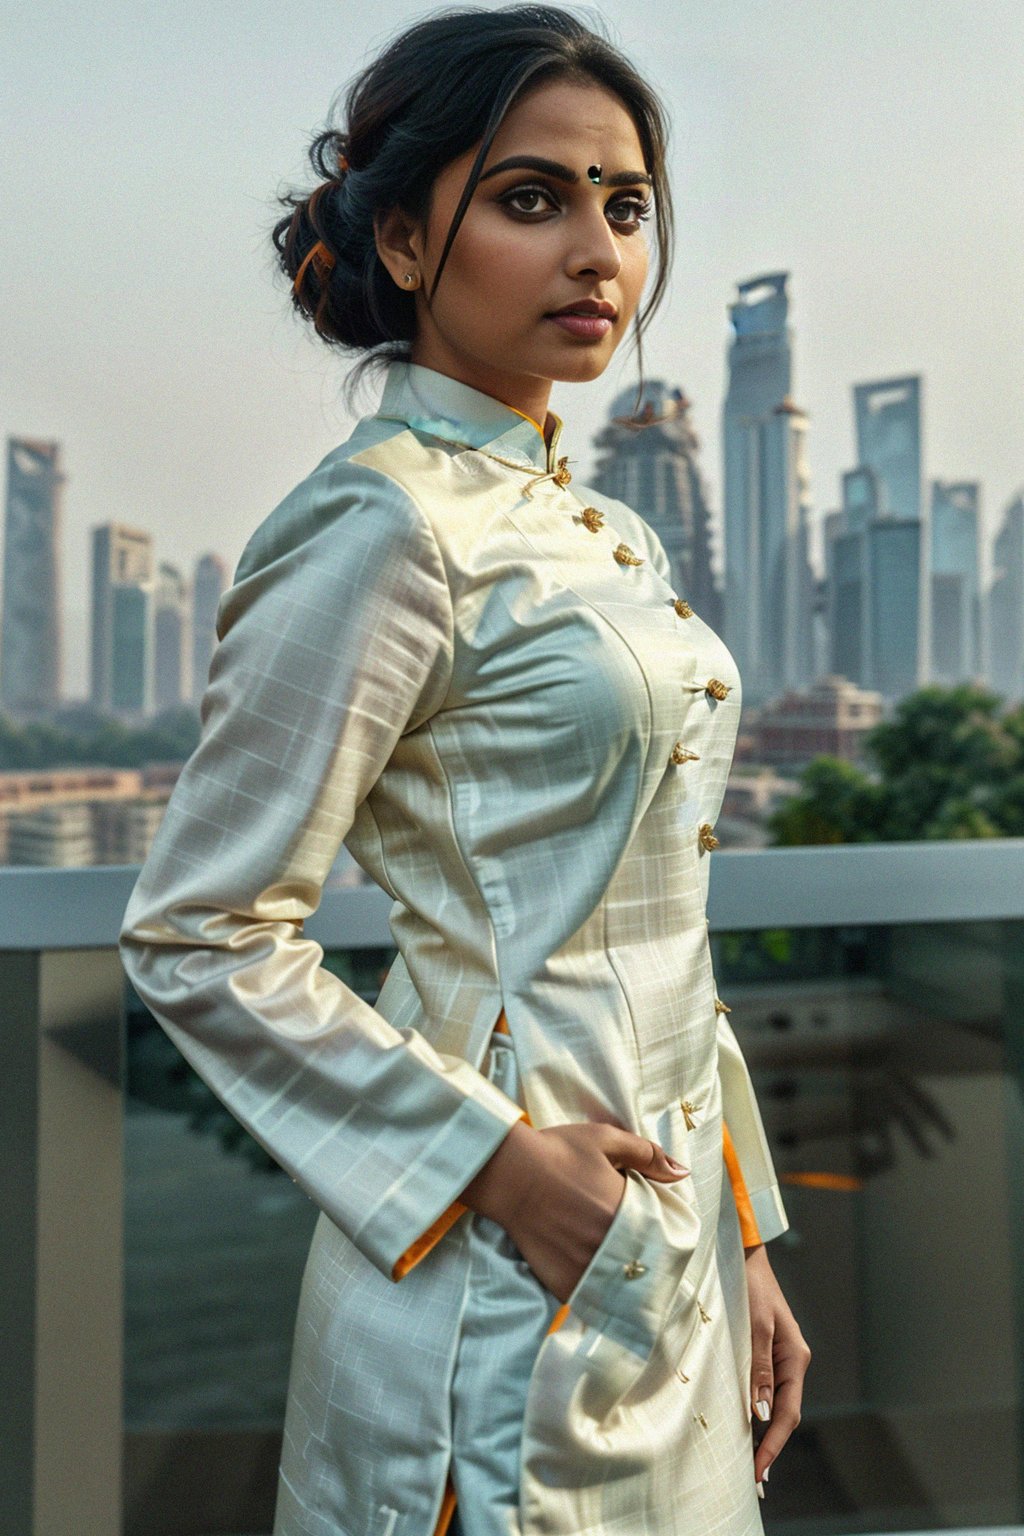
pixel 530 242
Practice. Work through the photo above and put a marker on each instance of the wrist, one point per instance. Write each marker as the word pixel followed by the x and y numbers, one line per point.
pixel 498 1188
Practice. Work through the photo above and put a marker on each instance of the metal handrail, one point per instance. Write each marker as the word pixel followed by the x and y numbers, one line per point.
pixel 924 882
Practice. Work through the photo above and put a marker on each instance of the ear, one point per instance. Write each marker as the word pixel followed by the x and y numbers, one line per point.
pixel 398 244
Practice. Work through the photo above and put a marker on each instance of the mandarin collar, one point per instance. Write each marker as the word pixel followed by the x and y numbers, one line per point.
pixel 434 402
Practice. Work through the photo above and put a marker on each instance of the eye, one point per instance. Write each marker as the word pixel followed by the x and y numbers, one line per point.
pixel 642 207
pixel 508 198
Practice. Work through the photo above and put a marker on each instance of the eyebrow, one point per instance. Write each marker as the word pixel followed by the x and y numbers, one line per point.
pixel 563 172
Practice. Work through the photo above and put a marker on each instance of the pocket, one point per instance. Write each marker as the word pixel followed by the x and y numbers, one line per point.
pixel 628 1286
pixel 586 1293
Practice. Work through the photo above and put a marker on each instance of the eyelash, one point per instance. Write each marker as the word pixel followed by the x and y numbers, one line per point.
pixel 643 207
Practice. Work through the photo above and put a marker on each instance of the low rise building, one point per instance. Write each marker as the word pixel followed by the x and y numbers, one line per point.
pixel 62 818
pixel 831 718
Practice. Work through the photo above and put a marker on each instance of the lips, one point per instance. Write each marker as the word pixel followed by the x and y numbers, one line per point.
pixel 593 307
pixel 587 326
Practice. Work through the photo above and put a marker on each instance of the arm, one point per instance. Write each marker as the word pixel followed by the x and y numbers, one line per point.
pixel 335 640
pixel 749 1230
pixel 422 1246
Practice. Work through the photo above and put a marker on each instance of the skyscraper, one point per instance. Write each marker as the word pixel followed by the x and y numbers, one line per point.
pixel 209 581
pixel 956 622
pixel 30 640
pixel 1006 604
pixel 895 555
pixel 769 586
pixel 847 574
pixel 119 554
pixel 171 635
pixel 887 416
pixel 132 647
pixel 877 551
pixel 650 461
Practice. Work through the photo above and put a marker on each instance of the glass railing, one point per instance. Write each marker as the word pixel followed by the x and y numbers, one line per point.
pixel 878 994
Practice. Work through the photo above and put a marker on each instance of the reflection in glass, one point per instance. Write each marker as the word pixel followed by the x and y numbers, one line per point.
pixel 888 1063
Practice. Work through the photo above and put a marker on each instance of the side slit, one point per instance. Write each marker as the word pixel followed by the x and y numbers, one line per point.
pixel 444 1519
pixel 449 1500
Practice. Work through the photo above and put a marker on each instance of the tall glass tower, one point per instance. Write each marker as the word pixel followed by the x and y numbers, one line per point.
pixel 894 645
pixel 30 639
pixel 769 586
pixel 847 575
pixel 1006 604
pixel 133 613
pixel 170 637
pixel 888 421
pixel 650 460
pixel 208 583
pixel 120 554
pixel 956 618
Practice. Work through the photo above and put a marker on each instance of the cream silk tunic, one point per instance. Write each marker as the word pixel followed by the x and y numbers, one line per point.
pixel 479 678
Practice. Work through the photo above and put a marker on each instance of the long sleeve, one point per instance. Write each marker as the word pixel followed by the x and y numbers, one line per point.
pixel 748 1223
pixel 749 1230
pixel 447 1219
pixel 335 640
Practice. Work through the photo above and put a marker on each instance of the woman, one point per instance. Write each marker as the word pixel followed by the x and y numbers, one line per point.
pixel 528 1297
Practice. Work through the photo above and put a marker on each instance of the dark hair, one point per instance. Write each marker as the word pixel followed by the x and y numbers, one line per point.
pixel 440 87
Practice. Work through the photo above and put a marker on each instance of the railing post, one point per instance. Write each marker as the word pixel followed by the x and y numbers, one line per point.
pixel 61 1258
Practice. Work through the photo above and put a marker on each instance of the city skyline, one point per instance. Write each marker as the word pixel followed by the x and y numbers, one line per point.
pixel 869 151
pixel 899 603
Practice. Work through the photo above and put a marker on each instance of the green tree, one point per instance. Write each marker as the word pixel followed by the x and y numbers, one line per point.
pixel 837 803
pixel 96 741
pixel 948 764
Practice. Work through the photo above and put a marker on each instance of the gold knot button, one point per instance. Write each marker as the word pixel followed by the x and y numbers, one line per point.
pixel 682 607
pixel 562 475
pixel 634 1269
pixel 716 688
pixel 707 837
pixel 721 1007
pixel 592 518
pixel 689 1110
pixel 625 556
pixel 681 754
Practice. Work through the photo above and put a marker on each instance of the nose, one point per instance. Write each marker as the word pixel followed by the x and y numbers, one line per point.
pixel 594 249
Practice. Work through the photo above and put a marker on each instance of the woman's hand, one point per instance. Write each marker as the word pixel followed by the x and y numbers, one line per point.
pixel 780 1357
pixel 556 1190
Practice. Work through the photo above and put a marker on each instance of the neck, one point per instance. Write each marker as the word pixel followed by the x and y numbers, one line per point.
pixel 524 393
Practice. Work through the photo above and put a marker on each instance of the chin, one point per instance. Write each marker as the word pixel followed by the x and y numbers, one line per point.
pixel 590 364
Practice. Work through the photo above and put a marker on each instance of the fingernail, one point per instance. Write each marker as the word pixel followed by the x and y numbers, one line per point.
pixel 673 1164
pixel 762 1410
pixel 760 1490
pixel 767 1469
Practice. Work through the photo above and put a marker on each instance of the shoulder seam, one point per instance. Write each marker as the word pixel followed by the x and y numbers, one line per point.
pixel 426 522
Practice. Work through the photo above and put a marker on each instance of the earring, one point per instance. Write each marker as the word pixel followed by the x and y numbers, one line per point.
pixel 410 277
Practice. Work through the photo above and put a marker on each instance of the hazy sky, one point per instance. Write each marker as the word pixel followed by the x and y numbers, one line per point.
pixel 872 148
